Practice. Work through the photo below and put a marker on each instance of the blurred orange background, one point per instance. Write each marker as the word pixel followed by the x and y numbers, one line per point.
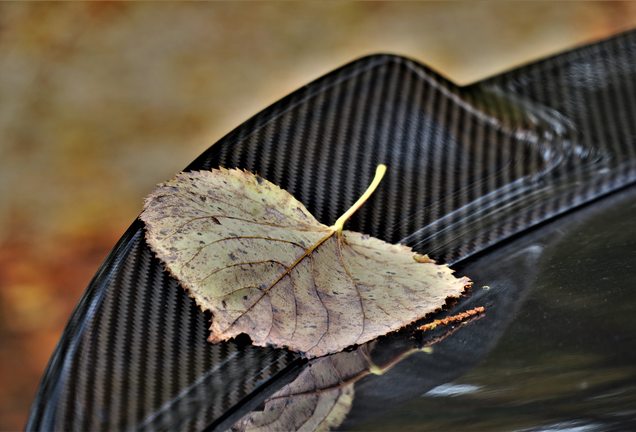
pixel 100 101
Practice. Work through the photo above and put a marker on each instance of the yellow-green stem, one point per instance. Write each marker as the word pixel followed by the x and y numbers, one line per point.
pixel 379 173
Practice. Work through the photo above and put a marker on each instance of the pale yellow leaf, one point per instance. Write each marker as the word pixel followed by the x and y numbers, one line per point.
pixel 263 265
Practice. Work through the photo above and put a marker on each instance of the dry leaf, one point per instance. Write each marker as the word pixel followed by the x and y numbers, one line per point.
pixel 263 265
pixel 461 317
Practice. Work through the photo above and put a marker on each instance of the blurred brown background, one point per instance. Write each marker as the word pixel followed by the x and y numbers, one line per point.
pixel 100 101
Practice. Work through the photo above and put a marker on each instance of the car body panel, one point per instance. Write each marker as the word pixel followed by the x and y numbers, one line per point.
pixel 468 168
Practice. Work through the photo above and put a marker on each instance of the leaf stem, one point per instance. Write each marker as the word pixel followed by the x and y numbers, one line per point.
pixel 379 173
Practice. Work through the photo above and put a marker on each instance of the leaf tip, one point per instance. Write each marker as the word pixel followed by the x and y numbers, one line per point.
pixel 424 259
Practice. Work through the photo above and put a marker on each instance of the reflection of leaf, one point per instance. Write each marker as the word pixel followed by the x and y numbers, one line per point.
pixel 321 396
pixel 263 265
pixel 318 399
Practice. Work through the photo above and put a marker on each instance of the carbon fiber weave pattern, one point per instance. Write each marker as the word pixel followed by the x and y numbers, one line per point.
pixel 468 167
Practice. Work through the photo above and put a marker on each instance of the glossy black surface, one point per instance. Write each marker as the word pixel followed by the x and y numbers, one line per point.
pixel 555 351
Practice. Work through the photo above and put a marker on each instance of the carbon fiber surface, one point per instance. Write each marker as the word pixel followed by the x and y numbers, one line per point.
pixel 468 167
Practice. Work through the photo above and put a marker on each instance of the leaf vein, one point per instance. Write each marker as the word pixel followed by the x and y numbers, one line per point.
pixel 242 264
pixel 355 284
pixel 200 249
